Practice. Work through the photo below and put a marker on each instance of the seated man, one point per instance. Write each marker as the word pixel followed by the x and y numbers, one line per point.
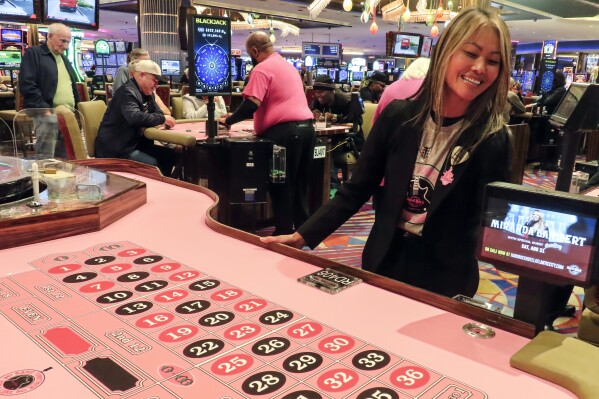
pixel 132 109
pixel 373 91
pixel 197 108
pixel 337 107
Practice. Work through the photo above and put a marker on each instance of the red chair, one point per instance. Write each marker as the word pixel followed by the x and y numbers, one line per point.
pixel 82 91
pixel 164 92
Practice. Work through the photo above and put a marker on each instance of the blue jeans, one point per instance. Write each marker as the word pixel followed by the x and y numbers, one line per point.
pixel 48 140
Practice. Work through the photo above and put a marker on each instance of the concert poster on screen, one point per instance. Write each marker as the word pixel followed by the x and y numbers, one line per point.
pixel 548 241
pixel 210 51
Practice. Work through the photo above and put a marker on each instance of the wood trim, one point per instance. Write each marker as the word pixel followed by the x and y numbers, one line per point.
pixel 487 317
pixel 96 216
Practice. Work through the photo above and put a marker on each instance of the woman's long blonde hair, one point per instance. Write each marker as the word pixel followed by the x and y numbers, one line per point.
pixel 487 109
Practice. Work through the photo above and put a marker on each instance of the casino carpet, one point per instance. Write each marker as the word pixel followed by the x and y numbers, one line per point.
pixel 346 244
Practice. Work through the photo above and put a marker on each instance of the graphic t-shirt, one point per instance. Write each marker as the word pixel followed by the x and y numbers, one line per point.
pixel 430 162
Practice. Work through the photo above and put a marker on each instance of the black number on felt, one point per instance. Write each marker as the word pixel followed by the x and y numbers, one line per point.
pixel 99 260
pixel 150 286
pixel 264 383
pixel 271 346
pixel 204 285
pixel 147 260
pixel 115 297
pixel 216 319
pixel 191 307
pixel 302 362
pixel 203 348
pixel 378 393
pixel 80 277
pixel 133 308
pixel 304 394
pixel 371 360
pixel 133 276
pixel 276 317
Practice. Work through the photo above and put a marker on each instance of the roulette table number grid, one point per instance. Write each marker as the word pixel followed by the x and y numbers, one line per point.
pixel 127 322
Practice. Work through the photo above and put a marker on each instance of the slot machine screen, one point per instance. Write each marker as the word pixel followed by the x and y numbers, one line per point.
pixel 111 60
pixel 357 76
pixel 83 14
pixel 209 55
pixel 343 75
pixel 121 59
pixel 10 59
pixel 120 47
pixel 12 35
pixel 234 72
pixel 542 234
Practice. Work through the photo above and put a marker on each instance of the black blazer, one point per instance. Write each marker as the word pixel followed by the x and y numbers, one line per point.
pixel 38 77
pixel 454 213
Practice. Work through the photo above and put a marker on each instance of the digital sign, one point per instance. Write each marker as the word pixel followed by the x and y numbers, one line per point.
pixel 23 11
pixel 210 55
pixel 311 49
pixel 321 50
pixel 547 235
pixel 330 50
pixel 77 13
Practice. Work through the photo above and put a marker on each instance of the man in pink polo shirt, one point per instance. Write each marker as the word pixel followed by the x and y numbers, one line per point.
pixel 274 97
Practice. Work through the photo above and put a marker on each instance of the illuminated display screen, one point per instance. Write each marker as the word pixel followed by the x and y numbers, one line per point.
pixel 210 52
pixel 170 67
pixel 539 233
pixel 12 35
pixel 76 13
pixel 407 45
pixel 10 59
pixel 24 11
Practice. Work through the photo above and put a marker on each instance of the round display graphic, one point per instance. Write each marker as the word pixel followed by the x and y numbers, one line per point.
pixel 212 68
pixel 546 81
pixel 19 382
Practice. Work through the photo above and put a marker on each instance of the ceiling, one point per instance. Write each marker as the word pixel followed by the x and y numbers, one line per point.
pixel 528 20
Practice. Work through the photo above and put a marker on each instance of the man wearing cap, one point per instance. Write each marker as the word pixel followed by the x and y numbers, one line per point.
pixel 274 97
pixel 123 75
pixel 376 84
pixel 332 104
pixel 132 109
pixel 47 80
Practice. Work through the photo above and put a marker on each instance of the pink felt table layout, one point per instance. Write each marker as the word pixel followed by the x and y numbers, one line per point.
pixel 198 129
pixel 177 310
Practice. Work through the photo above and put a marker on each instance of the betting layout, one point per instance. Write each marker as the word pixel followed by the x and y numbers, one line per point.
pixel 130 323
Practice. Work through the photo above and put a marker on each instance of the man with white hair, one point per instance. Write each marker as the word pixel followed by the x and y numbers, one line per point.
pixel 132 109
pixel 47 80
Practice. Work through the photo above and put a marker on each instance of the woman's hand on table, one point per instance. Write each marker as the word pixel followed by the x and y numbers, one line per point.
pixel 293 240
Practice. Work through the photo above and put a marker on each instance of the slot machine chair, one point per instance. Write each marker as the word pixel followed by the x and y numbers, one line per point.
pixel 92 112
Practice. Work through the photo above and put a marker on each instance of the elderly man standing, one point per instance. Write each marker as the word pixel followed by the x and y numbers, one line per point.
pixel 275 98
pixel 47 80
pixel 132 109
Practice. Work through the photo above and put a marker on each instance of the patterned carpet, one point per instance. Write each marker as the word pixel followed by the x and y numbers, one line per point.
pixel 346 244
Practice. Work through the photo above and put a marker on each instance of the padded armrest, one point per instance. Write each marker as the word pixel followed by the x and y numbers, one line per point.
pixel 170 137
pixel 565 361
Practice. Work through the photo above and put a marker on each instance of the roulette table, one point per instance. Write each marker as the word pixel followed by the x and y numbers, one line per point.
pixel 165 302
